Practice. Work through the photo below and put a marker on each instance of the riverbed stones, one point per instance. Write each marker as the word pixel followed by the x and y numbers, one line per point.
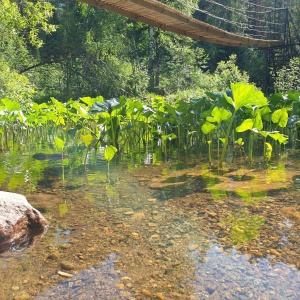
pixel 19 221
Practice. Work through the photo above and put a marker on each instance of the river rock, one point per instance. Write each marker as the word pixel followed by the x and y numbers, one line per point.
pixel 19 221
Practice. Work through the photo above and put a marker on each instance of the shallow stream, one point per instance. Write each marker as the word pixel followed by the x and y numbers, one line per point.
pixel 175 230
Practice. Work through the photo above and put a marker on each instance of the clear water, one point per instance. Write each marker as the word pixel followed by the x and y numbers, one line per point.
pixel 175 230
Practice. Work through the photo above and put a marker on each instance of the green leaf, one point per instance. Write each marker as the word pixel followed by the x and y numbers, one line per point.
pixel 257 122
pixel 90 101
pixel 59 143
pixel 277 136
pixel 263 133
pixel 208 127
pixel 246 125
pixel 105 106
pixel 293 95
pixel 247 95
pixel 280 117
pixel 220 114
pixel 110 152
pixel 239 142
pixel 223 140
pixel 10 105
pixel 60 121
pixel 87 139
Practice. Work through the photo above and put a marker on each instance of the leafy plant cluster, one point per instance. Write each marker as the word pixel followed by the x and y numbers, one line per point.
pixel 223 121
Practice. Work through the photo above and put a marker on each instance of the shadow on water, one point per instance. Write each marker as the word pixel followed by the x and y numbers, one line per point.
pixel 241 178
pixel 183 186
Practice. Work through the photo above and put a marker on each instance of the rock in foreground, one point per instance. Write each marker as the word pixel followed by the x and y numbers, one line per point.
pixel 19 221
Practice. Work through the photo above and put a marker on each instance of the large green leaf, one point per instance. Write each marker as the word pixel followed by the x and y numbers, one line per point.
pixel 246 125
pixel 105 106
pixel 10 105
pixel 277 136
pixel 247 95
pixel 280 117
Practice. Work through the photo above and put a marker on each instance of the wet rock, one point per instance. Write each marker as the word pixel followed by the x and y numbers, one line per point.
pixel 64 274
pixel 146 292
pixel 192 247
pixel 160 296
pixel 19 221
pixel 120 286
pixel 138 216
pixel 53 255
pixel 128 213
pixel 274 252
pixel 66 265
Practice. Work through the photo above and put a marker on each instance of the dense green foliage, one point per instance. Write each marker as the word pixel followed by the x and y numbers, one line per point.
pixel 240 119
pixel 68 49
pixel 289 76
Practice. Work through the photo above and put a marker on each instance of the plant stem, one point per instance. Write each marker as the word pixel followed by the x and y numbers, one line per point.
pixel 226 141
pixel 250 153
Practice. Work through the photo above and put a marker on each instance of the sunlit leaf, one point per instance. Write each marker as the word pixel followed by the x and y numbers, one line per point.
pixel 282 139
pixel 246 125
pixel 208 127
pixel 59 143
pixel 239 142
pixel 280 117
pixel 219 115
pixel 87 139
pixel 10 105
pixel 60 121
pixel 247 95
pixel 257 122
pixel 110 152
pixel 90 101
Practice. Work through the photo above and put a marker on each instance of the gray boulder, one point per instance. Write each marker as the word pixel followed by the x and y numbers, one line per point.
pixel 19 221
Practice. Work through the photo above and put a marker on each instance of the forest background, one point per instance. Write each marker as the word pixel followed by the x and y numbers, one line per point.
pixel 68 49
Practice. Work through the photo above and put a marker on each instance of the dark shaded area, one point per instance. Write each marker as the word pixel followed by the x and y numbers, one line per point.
pixel 296 181
pixel 44 156
pixel 186 185
pixel 241 177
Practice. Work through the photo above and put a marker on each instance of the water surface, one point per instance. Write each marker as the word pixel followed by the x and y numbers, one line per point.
pixel 175 230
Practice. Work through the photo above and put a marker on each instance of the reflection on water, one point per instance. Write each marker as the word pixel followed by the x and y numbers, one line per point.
pixel 217 234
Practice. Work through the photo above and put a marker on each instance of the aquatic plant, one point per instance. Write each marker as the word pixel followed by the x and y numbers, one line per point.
pixel 242 117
